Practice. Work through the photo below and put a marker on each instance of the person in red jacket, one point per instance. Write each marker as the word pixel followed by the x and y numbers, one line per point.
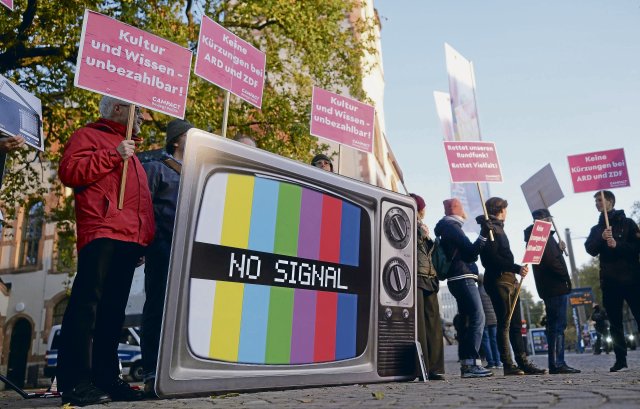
pixel 110 245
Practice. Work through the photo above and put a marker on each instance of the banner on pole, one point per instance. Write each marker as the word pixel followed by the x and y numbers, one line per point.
pixel 473 161
pixel 341 119
pixel 229 62
pixel 598 170
pixel 462 91
pixel 443 108
pixel 21 113
pixel 542 189
pixel 537 242
pixel 7 3
pixel 130 64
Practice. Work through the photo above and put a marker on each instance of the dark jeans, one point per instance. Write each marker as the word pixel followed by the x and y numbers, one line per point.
pixel 502 291
pixel 613 297
pixel 94 316
pixel 430 331
pixel 490 345
pixel 155 284
pixel 469 305
pixel 556 308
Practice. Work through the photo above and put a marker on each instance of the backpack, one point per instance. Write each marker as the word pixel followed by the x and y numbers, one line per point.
pixel 440 261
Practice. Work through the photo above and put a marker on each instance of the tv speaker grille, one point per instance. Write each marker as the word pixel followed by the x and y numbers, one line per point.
pixel 396 346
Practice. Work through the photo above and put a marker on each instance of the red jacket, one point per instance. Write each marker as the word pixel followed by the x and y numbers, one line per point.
pixel 93 168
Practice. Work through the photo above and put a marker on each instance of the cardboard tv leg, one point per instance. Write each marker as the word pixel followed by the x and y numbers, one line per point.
pixel 284 275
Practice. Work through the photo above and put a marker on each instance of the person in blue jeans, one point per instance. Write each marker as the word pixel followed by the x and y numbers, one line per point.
pixel 490 334
pixel 462 278
pixel 553 285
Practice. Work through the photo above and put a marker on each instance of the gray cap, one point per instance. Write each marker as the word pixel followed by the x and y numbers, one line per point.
pixel 176 128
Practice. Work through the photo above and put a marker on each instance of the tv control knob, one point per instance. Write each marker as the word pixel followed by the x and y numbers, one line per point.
pixel 405 314
pixel 388 313
pixel 396 278
pixel 397 227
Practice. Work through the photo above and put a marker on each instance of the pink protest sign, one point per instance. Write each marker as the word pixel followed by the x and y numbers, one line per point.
pixel 8 3
pixel 537 242
pixel 230 62
pixel 473 161
pixel 598 170
pixel 124 62
pixel 342 119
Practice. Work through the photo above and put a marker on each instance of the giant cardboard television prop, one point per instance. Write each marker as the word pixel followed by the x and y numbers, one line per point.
pixel 284 275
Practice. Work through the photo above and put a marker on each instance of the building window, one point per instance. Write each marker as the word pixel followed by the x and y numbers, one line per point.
pixel 31 235
pixel 58 311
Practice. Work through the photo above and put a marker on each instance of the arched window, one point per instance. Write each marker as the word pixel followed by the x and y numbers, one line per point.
pixel 58 311
pixel 31 235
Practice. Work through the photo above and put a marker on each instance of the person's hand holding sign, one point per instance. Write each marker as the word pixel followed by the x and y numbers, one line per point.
pixel 126 149
pixel 524 270
pixel 11 143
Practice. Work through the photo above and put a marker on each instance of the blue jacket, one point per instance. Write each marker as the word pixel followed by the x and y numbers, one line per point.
pixel 459 248
pixel 163 184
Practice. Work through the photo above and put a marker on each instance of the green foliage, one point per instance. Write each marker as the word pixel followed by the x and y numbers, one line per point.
pixel 589 276
pixel 307 42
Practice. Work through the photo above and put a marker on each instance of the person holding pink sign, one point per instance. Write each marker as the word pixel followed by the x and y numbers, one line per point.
pixel 501 285
pixel 554 285
pixel 618 248
pixel 111 243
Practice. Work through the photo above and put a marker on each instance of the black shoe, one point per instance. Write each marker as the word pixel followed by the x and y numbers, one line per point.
pixel 530 369
pixel 619 366
pixel 433 376
pixel 564 369
pixel 85 394
pixel 474 371
pixel 512 370
pixel 122 391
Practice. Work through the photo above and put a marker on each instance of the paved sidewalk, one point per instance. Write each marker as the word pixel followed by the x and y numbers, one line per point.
pixel 595 387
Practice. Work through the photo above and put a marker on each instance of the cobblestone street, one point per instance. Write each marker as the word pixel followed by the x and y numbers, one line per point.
pixel 595 387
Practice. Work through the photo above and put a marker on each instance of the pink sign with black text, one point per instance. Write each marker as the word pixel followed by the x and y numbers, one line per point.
pixel 229 62
pixel 124 62
pixel 473 161
pixel 537 242
pixel 598 170
pixel 8 3
pixel 342 119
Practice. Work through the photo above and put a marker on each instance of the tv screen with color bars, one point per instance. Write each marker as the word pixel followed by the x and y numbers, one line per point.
pixel 280 274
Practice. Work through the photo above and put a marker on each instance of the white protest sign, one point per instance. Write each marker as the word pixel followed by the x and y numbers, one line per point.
pixel 542 189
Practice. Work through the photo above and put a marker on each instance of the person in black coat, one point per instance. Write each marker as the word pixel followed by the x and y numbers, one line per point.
pixel 500 282
pixel 554 285
pixel 618 247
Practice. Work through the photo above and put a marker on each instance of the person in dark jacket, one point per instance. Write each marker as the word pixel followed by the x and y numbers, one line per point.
pixel 554 285
pixel 462 278
pixel 500 282
pixel 110 243
pixel 429 321
pixel 163 175
pixel 618 248
pixel 489 336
